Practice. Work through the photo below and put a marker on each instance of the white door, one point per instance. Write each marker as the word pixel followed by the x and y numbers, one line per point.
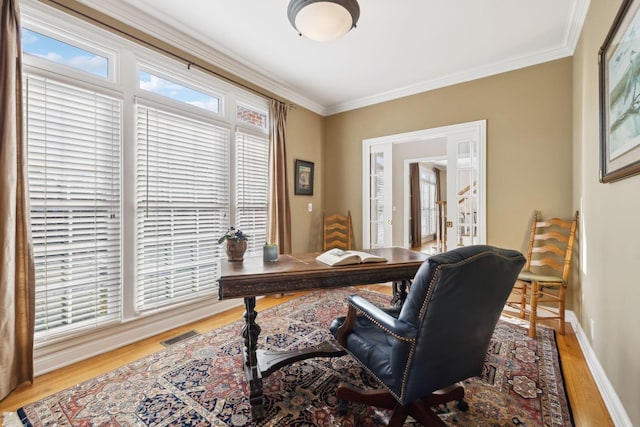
pixel 466 145
pixel 379 198
pixel 465 189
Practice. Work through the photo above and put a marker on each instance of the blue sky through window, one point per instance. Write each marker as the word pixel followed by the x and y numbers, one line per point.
pixel 169 89
pixel 54 50
pixel 37 44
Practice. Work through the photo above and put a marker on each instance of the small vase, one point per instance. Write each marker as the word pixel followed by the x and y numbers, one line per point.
pixel 270 252
pixel 236 250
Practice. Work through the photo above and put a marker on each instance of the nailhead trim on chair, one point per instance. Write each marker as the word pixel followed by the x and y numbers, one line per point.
pixel 436 274
pixel 411 351
pixel 376 377
pixel 384 328
pixel 427 297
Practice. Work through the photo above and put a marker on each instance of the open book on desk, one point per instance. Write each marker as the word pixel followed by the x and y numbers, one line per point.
pixel 339 257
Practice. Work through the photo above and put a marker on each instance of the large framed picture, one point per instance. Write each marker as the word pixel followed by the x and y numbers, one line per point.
pixel 619 69
pixel 303 178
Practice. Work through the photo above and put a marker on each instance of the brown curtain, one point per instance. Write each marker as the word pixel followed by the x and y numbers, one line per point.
pixel 440 206
pixel 416 210
pixel 438 196
pixel 279 208
pixel 17 285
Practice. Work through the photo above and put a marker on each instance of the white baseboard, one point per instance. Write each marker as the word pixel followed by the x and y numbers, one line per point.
pixel 609 395
pixel 56 356
pixel 50 357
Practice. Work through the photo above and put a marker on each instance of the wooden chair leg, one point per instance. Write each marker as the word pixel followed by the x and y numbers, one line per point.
pixel 398 416
pixel 424 415
pixel 420 409
pixel 379 398
pixel 563 294
pixel 533 316
pixel 444 395
pixel 523 298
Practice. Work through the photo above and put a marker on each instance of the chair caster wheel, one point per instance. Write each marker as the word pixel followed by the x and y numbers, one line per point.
pixel 343 407
pixel 462 405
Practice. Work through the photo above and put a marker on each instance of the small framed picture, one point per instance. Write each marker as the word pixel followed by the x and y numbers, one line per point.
pixel 303 178
pixel 619 71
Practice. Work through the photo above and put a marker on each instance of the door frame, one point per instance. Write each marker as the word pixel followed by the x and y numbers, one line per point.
pixel 479 126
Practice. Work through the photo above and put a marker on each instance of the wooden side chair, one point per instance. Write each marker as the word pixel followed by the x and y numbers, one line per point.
pixel 540 291
pixel 337 232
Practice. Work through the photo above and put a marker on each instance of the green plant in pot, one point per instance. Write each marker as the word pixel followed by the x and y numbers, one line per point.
pixel 236 243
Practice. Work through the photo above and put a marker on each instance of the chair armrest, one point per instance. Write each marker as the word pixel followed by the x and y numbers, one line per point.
pixel 357 305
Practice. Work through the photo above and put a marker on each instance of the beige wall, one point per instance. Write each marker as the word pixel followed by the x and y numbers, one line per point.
pixel 530 164
pixel 609 230
pixel 529 155
pixel 304 142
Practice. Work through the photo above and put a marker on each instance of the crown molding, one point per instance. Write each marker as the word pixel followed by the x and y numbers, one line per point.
pixel 452 79
pixel 571 38
pixel 206 50
pixel 574 29
pixel 228 61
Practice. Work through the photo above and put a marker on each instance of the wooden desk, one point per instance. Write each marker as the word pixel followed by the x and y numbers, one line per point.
pixel 301 272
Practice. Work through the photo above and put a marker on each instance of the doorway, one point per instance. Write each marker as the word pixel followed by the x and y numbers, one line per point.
pixel 427 233
pixel 384 187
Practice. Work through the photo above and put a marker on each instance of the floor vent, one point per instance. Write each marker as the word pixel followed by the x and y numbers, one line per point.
pixel 179 338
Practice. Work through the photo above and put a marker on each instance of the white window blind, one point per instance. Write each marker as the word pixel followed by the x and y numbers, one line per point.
pixel 252 159
pixel 73 139
pixel 182 205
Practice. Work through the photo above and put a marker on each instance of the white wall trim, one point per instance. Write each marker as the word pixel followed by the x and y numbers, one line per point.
pixel 207 50
pixel 369 144
pixel 452 79
pixel 216 54
pixel 609 395
pixel 50 357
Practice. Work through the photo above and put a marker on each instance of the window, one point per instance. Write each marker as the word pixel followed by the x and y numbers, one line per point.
pixel 73 138
pixel 182 188
pixel 428 201
pixel 125 160
pixel 252 116
pixel 64 53
pixel 172 90
pixel 253 173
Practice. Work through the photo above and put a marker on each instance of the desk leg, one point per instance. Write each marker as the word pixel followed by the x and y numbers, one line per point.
pixel 399 292
pixel 250 333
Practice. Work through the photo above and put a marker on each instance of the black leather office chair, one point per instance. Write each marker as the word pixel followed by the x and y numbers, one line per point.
pixel 439 337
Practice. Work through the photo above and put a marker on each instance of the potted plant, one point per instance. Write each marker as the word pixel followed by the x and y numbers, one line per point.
pixel 236 243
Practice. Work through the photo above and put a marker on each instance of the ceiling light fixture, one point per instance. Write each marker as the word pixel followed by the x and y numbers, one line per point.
pixel 323 20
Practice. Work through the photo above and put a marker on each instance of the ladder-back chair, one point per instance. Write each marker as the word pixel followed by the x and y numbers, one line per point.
pixel 337 232
pixel 540 291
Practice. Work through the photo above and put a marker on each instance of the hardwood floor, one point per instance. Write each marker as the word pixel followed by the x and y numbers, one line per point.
pixel 586 403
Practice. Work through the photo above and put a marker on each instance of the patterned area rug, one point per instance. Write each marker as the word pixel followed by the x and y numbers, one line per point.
pixel 200 381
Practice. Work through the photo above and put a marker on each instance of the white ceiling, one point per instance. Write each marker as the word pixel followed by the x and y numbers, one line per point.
pixel 400 47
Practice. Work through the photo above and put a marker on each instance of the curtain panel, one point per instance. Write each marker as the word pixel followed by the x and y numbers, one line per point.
pixel 440 232
pixel 17 277
pixel 416 205
pixel 279 206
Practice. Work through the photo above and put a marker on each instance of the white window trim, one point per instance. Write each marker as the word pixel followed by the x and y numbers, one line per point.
pixel 53 27
pixel 173 71
pixel 57 24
